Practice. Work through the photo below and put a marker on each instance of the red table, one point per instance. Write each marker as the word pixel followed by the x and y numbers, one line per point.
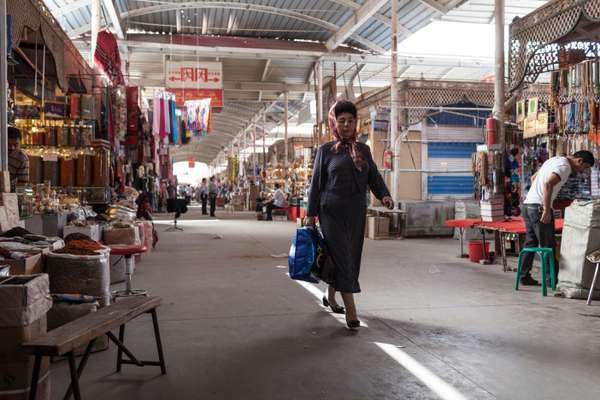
pixel 513 226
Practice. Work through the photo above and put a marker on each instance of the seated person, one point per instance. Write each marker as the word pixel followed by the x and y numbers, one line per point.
pixel 276 203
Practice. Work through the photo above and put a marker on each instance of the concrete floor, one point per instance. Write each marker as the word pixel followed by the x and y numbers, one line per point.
pixel 235 326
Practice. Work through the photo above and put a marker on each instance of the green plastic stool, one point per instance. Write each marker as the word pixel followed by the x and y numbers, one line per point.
pixel 545 254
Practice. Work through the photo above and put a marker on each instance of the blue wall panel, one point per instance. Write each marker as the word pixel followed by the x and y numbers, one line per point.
pixel 451 150
pixel 450 184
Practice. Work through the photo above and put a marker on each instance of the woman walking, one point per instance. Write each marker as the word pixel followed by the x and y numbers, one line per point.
pixel 343 171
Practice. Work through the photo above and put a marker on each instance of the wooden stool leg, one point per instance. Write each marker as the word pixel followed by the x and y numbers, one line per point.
pixel 37 363
pixel 589 300
pixel 119 351
pixel 82 363
pixel 159 348
pixel 74 377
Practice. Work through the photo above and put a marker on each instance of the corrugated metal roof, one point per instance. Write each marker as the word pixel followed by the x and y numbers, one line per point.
pixel 297 20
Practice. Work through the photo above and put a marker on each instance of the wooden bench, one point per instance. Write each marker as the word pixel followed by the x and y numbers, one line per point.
pixel 63 341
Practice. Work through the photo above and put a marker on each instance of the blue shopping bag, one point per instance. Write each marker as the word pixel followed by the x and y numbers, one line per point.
pixel 303 253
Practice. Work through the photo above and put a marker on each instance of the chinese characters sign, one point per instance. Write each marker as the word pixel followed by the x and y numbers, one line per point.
pixel 194 75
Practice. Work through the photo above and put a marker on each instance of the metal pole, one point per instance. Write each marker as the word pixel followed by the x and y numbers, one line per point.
pixel 319 73
pixel 499 95
pixel 285 132
pixel 394 103
pixel 254 153
pixel 264 144
pixel 3 89
pixel 94 28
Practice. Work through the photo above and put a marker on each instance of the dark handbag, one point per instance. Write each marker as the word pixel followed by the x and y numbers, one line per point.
pixel 323 267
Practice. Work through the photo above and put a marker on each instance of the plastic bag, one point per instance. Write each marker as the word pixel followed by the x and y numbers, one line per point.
pixel 323 267
pixel 302 256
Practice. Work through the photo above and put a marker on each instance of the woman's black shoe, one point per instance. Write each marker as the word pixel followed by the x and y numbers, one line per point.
pixel 337 309
pixel 353 324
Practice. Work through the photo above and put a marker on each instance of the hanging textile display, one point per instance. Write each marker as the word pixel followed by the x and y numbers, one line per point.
pixel 163 114
pixel 174 128
pixel 107 56
pixel 119 114
pixel 133 111
pixel 198 116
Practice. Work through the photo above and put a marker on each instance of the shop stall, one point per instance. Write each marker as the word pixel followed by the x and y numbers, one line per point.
pixel 558 43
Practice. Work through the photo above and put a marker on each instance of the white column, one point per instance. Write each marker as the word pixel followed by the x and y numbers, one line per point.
pixel 264 143
pixel 3 90
pixel 319 72
pixel 94 28
pixel 499 94
pixel 254 153
pixel 285 131
pixel 394 145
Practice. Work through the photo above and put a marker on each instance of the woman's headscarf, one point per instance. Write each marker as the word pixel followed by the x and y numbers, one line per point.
pixel 350 145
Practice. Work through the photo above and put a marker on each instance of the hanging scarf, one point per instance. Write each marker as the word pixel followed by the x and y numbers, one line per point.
pixel 349 145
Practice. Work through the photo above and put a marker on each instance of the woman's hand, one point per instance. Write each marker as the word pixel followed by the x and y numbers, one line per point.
pixel 388 202
pixel 309 221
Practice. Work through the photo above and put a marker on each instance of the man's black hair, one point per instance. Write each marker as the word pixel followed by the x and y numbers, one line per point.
pixel 586 156
pixel 14 133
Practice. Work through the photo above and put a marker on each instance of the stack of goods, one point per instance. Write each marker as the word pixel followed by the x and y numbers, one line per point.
pixel 88 228
pixel 82 267
pixel 24 301
pixel 122 233
pixel 492 209
pixel 512 188
pixel 9 211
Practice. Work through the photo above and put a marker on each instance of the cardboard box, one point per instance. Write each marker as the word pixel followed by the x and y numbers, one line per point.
pixel 5 181
pixel 93 231
pixel 379 227
pixel 4 224
pixel 28 266
pixel 16 380
pixel 11 203
pixel 12 337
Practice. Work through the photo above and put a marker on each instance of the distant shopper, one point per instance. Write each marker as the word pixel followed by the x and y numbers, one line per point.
pixel 18 161
pixel 213 192
pixel 343 171
pixel 537 207
pixel 276 203
pixel 172 191
pixel 203 195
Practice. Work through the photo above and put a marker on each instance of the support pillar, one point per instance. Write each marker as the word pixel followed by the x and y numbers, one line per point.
pixel 94 28
pixel 254 152
pixel 394 142
pixel 499 88
pixel 319 74
pixel 3 90
pixel 285 131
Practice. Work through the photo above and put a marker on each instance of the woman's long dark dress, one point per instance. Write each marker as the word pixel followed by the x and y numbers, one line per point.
pixel 338 196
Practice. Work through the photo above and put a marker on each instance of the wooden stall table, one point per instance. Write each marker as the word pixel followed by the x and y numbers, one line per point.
pixel 511 228
pixel 462 224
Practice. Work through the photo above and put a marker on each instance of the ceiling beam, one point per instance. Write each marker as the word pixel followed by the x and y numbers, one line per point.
pixel 297 54
pixel 360 17
pixel 265 69
pixel 115 18
pixel 378 16
pixel 59 11
pixel 435 6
